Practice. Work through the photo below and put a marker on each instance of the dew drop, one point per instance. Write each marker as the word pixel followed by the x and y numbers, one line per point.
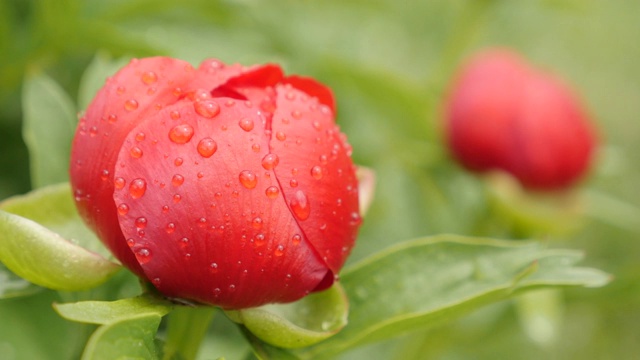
pixel 300 205
pixel 272 192
pixel 246 124
pixel 178 161
pixel 316 172
pixel 270 161
pixel 112 118
pixel 176 198
pixel 120 90
pixel 248 179
pixel 260 239
pixel 293 183
pixel 165 209
pixel 137 188
pixel 93 131
pixel 256 222
pixel 207 109
pixel 296 239
pixel 279 251
pixel 143 255
pixel 123 209
pixel 281 136
pixel 255 147
pixel 119 183
pixel 156 281
pixel 214 267
pixel 355 218
pixel 207 147
pixel 177 180
pixel 135 152
pixel 149 77
pixel 140 136
pixel 174 115
pixel 130 105
pixel 141 222
pixel 200 175
pixel 202 222
pixel 232 288
pixel 170 228
pixel 104 175
pixel 181 134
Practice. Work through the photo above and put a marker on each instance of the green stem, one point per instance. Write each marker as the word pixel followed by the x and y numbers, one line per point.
pixel 186 327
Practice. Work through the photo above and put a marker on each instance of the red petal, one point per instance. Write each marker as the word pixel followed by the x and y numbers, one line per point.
pixel 316 173
pixel 133 93
pixel 313 88
pixel 211 228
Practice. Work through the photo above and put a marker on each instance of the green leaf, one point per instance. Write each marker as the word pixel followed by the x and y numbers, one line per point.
pixel 95 76
pixel 107 312
pixel 298 324
pixel 12 285
pixel 131 338
pixel 48 127
pixel 128 326
pixel 428 281
pixel 52 207
pixel 34 229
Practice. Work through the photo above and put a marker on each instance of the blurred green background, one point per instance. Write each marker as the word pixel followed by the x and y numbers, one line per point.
pixel 389 63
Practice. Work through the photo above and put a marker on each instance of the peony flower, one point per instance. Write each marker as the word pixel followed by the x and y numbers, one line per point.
pixel 225 185
pixel 504 114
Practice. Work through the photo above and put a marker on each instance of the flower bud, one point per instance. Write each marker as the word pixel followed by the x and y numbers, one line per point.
pixel 503 114
pixel 222 184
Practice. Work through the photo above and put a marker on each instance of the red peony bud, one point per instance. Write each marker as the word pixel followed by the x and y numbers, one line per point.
pixel 225 185
pixel 505 115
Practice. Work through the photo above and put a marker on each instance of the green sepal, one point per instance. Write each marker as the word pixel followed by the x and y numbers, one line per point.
pixel 305 322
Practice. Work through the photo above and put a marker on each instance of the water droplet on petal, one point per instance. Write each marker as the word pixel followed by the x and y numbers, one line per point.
pixel 130 105
pixel 355 218
pixel 207 147
pixel 279 251
pixel 256 222
pixel 178 161
pixel 141 222
pixel 119 183
pixel 174 115
pixel 177 180
pixel 293 183
pixel 316 172
pixel 149 77
pixel 208 109
pixel 137 188
pixel 272 192
pixel 246 124
pixel 255 147
pixel 281 136
pixel 123 209
pixel 248 179
pixel 135 152
pixel 181 134
pixel 296 239
pixel 104 175
pixel 300 205
pixel 214 267
pixel 170 228
pixel 260 239
pixel 140 136
pixel 143 255
pixel 270 161
pixel 176 198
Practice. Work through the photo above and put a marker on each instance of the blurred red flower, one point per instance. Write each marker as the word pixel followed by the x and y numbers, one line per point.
pixel 504 114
